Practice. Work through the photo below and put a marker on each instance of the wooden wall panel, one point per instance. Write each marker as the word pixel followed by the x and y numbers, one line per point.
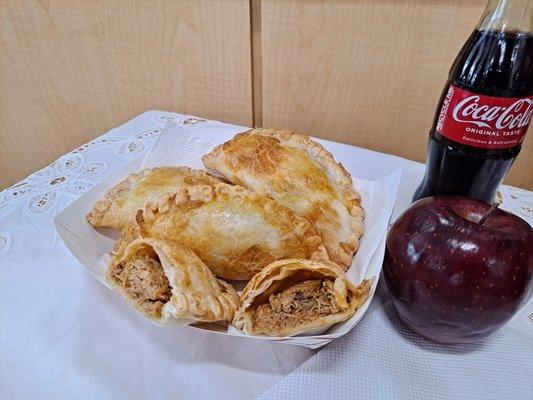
pixel 365 72
pixel 72 69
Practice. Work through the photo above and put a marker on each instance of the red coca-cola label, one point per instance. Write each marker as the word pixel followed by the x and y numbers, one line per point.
pixel 484 121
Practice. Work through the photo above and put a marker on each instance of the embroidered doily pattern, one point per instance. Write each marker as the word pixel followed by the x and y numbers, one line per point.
pixel 78 171
pixel 193 121
pixel 517 201
pixel 185 120
pixel 74 173
pixel 70 174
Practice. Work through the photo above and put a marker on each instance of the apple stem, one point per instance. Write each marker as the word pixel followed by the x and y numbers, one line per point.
pixel 493 207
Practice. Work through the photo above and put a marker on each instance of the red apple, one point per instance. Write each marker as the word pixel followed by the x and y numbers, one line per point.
pixel 457 269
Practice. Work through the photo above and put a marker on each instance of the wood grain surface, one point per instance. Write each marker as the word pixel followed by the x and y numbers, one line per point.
pixel 72 69
pixel 365 72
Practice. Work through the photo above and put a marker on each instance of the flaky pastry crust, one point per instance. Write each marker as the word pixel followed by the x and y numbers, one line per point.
pixel 121 203
pixel 317 188
pixel 168 283
pixel 236 232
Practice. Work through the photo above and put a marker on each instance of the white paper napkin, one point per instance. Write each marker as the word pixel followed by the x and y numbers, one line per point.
pixel 517 201
pixel 176 146
pixel 382 359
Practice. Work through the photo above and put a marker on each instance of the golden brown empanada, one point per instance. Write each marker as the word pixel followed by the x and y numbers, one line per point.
pixel 169 283
pixel 301 175
pixel 236 232
pixel 291 297
pixel 121 202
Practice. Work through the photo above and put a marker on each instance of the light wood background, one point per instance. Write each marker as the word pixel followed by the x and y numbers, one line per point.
pixel 365 72
pixel 72 69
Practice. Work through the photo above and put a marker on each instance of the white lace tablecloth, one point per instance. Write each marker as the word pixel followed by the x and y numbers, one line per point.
pixel 65 336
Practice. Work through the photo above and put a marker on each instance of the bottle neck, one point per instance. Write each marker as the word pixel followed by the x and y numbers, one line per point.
pixel 507 15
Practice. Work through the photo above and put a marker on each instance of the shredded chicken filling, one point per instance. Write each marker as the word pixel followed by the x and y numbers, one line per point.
pixel 297 305
pixel 144 282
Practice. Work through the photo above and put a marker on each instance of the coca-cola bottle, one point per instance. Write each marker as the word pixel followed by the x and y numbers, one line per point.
pixel 486 106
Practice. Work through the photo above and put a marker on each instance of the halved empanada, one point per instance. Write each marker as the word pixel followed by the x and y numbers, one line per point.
pixel 121 202
pixel 291 297
pixel 234 231
pixel 169 283
pixel 301 175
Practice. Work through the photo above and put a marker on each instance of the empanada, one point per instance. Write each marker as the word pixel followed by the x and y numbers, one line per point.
pixel 121 202
pixel 169 283
pixel 236 232
pixel 301 175
pixel 291 297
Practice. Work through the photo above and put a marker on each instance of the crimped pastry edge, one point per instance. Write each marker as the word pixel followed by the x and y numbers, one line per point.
pixel 229 297
pixel 342 178
pixel 98 216
pixel 194 194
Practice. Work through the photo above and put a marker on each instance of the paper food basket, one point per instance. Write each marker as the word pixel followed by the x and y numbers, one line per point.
pixel 180 144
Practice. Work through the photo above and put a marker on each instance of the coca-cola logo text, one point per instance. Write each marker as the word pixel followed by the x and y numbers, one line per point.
pixel 471 110
pixel 484 121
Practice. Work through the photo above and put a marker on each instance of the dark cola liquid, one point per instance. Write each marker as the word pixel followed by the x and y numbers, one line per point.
pixel 498 64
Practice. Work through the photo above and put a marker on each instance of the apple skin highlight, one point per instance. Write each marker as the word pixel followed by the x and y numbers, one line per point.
pixel 453 279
